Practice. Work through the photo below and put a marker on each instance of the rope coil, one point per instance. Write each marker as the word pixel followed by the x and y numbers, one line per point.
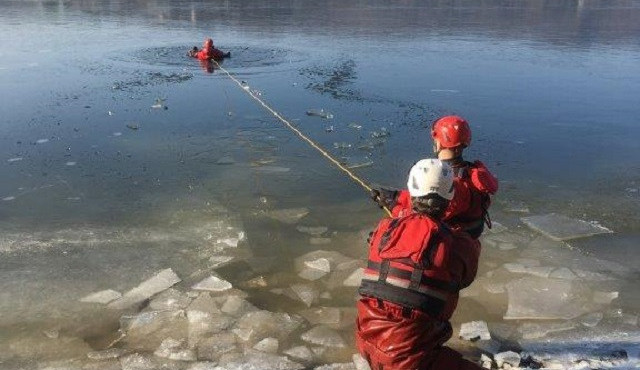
pixel 289 125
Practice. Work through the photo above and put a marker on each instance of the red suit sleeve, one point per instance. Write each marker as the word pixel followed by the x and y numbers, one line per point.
pixel 403 204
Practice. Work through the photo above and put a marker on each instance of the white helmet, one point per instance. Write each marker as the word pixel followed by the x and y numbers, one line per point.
pixel 431 176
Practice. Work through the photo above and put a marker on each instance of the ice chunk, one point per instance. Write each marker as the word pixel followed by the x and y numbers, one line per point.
pixel 300 353
pixel 268 345
pixel 312 230
pixel 288 216
pixel 256 360
pixel 16 159
pixel 103 296
pixel 489 346
pixel 42 141
pixel 494 288
pixel 146 330
pixel 71 163
pixel 218 261
pixel 215 346
pixel 475 330
pixel 213 284
pixel 324 336
pixel 204 365
pixel 175 350
pixel 161 281
pixel 335 258
pixel 170 299
pixel 305 293
pixel 354 126
pixel 322 264
pixel 330 316
pixel 359 163
pixel 255 326
pixel 237 306
pixel 559 227
pixel 355 278
pixel 341 145
pixel 538 298
pixel 360 362
pixel 319 113
pixel 204 303
pixel 509 357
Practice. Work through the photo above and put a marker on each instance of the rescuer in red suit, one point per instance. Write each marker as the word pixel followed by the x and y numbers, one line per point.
pixel 208 52
pixel 416 267
pixel 473 182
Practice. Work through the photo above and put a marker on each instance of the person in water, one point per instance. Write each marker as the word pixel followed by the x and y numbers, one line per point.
pixel 474 183
pixel 208 52
pixel 416 267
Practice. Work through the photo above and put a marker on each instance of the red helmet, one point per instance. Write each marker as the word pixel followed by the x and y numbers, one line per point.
pixel 451 132
pixel 208 43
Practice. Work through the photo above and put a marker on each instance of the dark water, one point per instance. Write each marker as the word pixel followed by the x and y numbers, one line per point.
pixel 551 89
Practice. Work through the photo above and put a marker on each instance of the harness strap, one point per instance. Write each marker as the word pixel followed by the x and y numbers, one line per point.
pixel 446 286
pixel 404 297
pixel 384 270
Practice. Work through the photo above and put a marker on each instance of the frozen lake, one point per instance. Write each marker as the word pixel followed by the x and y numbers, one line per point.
pixel 121 157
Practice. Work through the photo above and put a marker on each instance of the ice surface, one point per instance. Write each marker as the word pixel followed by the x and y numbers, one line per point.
pixel 137 362
pixel 306 293
pixel 475 330
pixel 312 230
pixel 268 345
pixel 563 273
pixel 559 227
pixel 158 283
pixel 226 160
pixel 272 169
pixel 539 298
pixel 175 350
pixel 324 336
pixel 170 299
pixel 103 296
pixel 288 216
pixel 213 284
pixel 300 353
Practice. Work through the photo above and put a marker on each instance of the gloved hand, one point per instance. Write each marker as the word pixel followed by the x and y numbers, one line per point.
pixel 384 197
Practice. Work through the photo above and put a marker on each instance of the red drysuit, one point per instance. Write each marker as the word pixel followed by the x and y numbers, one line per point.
pixel 415 269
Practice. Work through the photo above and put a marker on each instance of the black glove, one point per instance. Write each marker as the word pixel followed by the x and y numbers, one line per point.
pixel 384 197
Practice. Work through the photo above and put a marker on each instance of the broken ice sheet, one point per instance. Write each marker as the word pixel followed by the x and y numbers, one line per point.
pixel 543 298
pixel 163 280
pixel 288 216
pixel 213 284
pixel 559 227
pixel 305 293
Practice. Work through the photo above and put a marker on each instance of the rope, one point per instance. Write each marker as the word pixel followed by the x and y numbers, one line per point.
pixel 288 124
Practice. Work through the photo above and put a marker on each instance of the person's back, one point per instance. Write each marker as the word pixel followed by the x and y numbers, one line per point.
pixel 415 268
pixel 474 184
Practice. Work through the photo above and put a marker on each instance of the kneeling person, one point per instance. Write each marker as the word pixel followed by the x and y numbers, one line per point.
pixel 416 267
